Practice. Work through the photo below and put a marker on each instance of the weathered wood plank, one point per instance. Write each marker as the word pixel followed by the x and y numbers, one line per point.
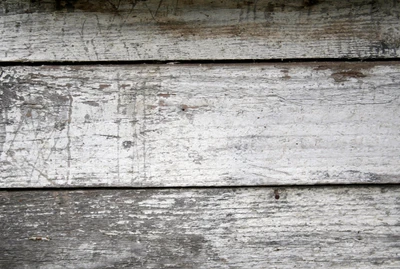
pixel 200 29
pixel 191 125
pixel 332 227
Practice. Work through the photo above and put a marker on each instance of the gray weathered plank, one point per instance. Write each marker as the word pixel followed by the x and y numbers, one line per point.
pixel 200 29
pixel 192 125
pixel 320 227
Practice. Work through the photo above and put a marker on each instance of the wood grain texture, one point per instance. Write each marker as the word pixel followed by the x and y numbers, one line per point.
pixel 114 30
pixel 192 125
pixel 330 227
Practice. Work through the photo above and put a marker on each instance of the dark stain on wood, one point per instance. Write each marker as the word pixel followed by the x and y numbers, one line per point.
pixel 179 28
pixel 127 144
pixel 184 108
pixel 256 18
pixel 308 3
pixel 60 125
pixel 69 5
pixel 104 86
pixel 103 6
pixel 165 95
pixel 91 103
pixel 346 75
pixel 285 73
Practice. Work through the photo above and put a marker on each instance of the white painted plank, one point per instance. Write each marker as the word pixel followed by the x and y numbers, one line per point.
pixel 200 29
pixel 330 227
pixel 193 125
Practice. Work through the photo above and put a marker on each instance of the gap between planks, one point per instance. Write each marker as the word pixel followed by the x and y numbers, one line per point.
pixel 227 187
pixel 198 61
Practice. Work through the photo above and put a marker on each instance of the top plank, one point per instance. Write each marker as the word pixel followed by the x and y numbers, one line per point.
pixel 197 29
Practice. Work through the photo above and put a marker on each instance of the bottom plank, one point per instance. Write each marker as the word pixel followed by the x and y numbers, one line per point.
pixel 299 227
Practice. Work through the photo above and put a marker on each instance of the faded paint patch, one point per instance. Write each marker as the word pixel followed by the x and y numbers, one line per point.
pixel 7 100
pixel 60 125
pixel 91 103
pixel 351 175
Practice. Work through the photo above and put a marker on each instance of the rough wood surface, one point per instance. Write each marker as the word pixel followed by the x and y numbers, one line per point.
pixel 192 125
pixel 92 30
pixel 332 227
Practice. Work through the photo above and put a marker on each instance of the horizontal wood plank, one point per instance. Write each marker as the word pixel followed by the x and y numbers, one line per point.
pixel 193 125
pixel 117 30
pixel 330 227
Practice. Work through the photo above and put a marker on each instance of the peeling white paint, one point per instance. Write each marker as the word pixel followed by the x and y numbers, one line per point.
pixel 209 125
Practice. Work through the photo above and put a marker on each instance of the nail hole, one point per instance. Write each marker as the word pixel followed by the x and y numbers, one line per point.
pixel 276 192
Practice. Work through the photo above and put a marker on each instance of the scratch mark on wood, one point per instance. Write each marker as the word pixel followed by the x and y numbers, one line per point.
pixel 40 156
pixel 249 124
pixel 135 150
pixel 158 7
pixel 271 169
pixel 118 126
pixel 151 13
pixel 143 134
pixel 20 124
pixel 69 157
pixel 287 30
pixel 37 170
pixel 341 227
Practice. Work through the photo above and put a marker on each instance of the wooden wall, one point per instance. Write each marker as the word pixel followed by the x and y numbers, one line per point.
pixel 199 134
